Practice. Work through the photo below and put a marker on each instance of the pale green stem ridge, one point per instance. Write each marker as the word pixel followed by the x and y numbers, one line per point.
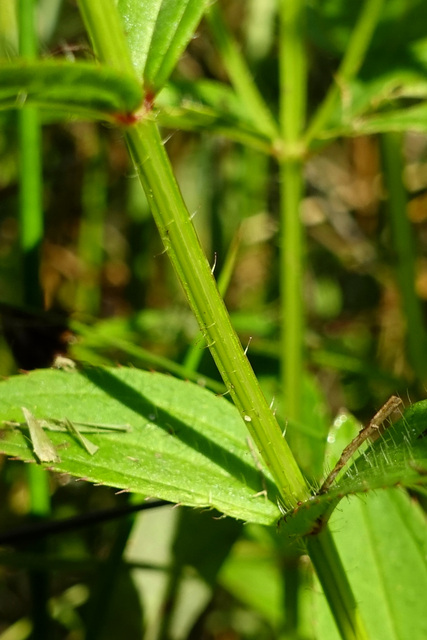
pixel 355 53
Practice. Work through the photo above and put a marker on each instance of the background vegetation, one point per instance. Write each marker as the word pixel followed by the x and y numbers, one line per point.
pixel 330 302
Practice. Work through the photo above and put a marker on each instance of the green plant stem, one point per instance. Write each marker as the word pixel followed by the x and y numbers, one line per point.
pixel 184 250
pixel 293 82
pixel 331 573
pixel 193 270
pixel 292 117
pixel 30 188
pixel 350 65
pixel 416 338
pixel 38 578
pixel 31 216
pixel 292 589
pixel 291 280
pixel 31 234
pixel 195 352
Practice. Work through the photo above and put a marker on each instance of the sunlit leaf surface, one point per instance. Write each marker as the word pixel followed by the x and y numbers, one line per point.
pixel 185 445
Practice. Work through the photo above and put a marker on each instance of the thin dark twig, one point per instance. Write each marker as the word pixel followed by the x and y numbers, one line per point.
pixel 372 430
pixel 39 530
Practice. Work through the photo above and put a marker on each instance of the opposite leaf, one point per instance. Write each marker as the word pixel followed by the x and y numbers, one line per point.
pixel 78 88
pixel 397 458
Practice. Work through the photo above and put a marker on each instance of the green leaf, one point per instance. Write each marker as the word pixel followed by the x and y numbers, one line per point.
pixel 202 542
pixel 254 577
pixel 139 22
pixel 383 545
pixel 398 457
pixel 390 102
pixel 393 74
pixel 76 88
pixel 158 32
pixel 186 445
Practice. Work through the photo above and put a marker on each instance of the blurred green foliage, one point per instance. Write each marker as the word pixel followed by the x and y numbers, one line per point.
pixel 103 263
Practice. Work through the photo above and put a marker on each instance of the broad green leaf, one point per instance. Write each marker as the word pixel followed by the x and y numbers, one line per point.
pixel 158 32
pixel 76 88
pixel 382 541
pixel 252 574
pixel 399 456
pixel 186 445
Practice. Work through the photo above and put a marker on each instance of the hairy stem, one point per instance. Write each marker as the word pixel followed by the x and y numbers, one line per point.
pixel 193 270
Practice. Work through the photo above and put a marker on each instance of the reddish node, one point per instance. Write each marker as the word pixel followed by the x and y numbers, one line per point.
pixel 125 119
pixel 149 100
